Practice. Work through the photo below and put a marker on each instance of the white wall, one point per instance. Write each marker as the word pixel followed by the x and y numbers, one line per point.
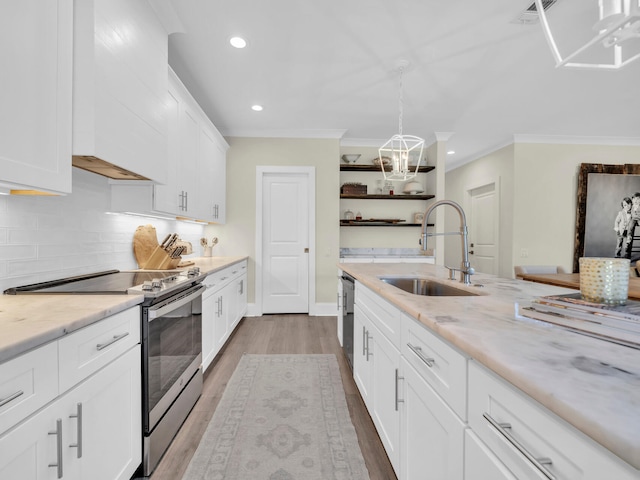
pixel 45 238
pixel 496 167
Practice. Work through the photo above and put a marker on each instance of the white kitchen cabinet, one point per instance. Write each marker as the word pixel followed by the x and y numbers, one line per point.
pixel 385 386
pixel 362 370
pixel 480 463
pixel 212 166
pixel 530 441
pixel 196 182
pixel 378 372
pixel 36 53
pixel 119 89
pixel 224 303
pixel 93 429
pixel 431 445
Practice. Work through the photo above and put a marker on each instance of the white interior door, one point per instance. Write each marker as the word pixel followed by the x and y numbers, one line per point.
pixel 285 242
pixel 483 220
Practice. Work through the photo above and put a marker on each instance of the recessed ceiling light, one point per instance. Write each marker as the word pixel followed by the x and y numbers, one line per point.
pixel 257 108
pixel 238 42
pixel 451 152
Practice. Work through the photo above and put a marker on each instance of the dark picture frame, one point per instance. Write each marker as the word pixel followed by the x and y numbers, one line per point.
pixel 603 201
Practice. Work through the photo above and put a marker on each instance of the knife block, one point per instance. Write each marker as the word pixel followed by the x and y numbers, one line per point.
pixel 160 260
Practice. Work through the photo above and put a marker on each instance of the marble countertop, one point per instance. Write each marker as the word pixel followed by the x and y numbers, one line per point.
pixel 592 384
pixel 29 321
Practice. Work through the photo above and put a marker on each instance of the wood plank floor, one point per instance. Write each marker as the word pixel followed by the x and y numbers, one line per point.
pixel 273 334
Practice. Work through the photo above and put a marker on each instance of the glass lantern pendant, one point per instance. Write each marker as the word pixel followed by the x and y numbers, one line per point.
pixel 403 151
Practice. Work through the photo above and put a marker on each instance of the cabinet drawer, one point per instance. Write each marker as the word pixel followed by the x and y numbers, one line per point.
pixel 27 383
pixel 442 367
pixel 222 277
pixel 385 316
pixel 91 348
pixel 531 441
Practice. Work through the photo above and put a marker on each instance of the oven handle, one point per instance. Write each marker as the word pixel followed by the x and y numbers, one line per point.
pixel 159 311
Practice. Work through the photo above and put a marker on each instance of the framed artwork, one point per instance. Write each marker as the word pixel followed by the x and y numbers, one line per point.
pixel 601 190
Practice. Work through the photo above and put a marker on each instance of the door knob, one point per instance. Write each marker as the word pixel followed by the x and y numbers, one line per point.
pixel 470 252
pixel 306 250
pixel 471 245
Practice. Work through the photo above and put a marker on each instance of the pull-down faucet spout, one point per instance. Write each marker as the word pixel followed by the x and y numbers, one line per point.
pixel 465 267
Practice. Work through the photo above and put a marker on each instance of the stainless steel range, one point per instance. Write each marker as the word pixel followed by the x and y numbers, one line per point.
pixel 171 325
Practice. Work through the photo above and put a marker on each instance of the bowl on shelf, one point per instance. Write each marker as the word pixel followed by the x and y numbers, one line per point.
pixel 413 188
pixel 351 157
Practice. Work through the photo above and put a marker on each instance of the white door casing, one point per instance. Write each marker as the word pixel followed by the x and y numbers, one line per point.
pixel 285 230
pixel 482 213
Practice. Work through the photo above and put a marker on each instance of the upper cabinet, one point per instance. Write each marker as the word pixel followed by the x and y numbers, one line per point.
pixel 35 125
pixel 120 82
pixel 195 187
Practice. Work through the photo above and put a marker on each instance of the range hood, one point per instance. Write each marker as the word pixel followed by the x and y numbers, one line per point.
pixel 104 168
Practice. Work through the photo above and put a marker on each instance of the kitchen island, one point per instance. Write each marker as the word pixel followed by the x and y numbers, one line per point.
pixel 592 385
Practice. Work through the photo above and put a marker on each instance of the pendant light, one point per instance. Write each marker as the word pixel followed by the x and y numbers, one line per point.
pixel 593 34
pixel 402 150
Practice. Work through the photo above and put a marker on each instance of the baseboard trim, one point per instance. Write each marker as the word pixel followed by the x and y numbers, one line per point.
pixel 317 310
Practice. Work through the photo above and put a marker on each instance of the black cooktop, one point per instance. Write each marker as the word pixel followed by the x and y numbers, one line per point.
pixel 101 283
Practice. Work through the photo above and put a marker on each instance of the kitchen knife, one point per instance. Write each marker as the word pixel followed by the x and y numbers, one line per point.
pixel 163 244
pixel 173 239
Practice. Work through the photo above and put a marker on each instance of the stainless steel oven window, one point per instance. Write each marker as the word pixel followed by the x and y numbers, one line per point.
pixel 172 332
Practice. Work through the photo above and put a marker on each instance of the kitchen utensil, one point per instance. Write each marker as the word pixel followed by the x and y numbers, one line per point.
pixel 145 241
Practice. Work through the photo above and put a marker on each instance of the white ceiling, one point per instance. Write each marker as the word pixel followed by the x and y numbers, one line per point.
pixel 330 66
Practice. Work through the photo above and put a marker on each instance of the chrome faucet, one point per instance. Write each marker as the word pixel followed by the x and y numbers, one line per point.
pixel 465 267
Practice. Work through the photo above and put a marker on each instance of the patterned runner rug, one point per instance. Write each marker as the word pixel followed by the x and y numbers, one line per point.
pixel 281 417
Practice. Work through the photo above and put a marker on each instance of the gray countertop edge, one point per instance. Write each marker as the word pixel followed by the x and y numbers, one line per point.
pixel 537 359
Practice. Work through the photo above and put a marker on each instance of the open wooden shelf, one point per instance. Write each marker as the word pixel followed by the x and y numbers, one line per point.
pixel 355 223
pixel 344 167
pixel 386 197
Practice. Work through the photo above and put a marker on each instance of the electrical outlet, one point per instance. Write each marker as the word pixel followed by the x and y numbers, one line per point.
pixel 524 253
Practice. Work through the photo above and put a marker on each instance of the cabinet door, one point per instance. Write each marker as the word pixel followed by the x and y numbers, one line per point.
pixel 209 305
pixel 361 358
pixel 385 360
pixel 212 166
pixel 480 463
pixel 104 420
pixel 37 449
pixel 432 434
pixel 35 125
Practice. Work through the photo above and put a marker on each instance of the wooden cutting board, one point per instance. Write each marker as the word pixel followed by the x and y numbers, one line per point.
pixel 145 241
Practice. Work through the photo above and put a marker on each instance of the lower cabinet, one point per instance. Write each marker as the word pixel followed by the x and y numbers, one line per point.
pixel 223 306
pixel 480 463
pixel 92 431
pixel 432 438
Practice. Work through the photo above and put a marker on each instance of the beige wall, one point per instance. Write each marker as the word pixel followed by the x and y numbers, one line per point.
pixel 537 198
pixel 497 168
pixel 238 235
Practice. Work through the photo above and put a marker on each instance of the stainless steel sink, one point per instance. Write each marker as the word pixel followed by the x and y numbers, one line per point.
pixel 424 286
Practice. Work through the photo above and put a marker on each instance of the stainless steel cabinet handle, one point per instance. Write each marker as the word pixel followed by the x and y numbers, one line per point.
pixel 58 434
pixel 369 337
pixel 539 462
pixel 115 338
pixel 186 201
pixel 337 302
pixel 78 443
pixel 364 341
pixel 13 396
pixel 418 351
pixel 241 287
pixel 397 399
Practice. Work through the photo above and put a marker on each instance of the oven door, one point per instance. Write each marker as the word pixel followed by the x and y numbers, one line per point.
pixel 171 349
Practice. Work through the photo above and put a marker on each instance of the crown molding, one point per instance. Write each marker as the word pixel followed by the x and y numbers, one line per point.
pixel 276 133
pixel 576 140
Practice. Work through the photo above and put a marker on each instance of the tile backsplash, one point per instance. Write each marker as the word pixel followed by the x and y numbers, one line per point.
pixel 45 238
